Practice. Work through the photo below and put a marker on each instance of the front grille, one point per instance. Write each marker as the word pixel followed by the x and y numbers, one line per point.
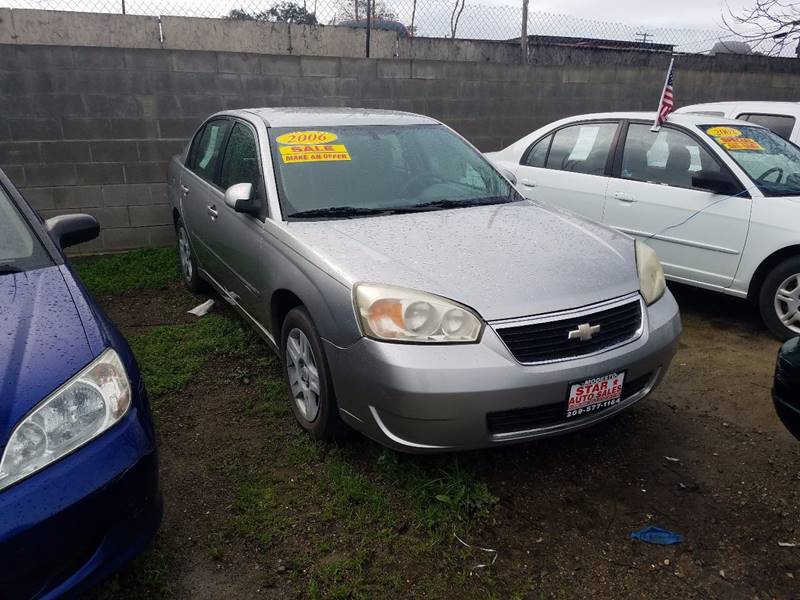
pixel 549 340
pixel 536 417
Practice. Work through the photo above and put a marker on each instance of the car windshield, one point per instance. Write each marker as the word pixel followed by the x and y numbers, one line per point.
pixel 20 250
pixel 770 161
pixel 354 171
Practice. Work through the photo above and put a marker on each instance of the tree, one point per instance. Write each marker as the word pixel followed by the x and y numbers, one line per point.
pixel 769 26
pixel 455 16
pixel 356 10
pixel 283 12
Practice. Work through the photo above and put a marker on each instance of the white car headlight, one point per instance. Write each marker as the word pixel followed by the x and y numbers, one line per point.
pixel 401 315
pixel 80 410
pixel 651 275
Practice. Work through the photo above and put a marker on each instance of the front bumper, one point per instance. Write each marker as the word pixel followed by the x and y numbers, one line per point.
pixel 418 398
pixel 75 522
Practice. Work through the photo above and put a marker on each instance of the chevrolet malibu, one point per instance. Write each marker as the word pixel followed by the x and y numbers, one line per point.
pixel 411 292
pixel 79 489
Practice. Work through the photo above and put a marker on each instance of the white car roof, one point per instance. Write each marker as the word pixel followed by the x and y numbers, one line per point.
pixel 297 116
pixel 768 107
pixel 686 119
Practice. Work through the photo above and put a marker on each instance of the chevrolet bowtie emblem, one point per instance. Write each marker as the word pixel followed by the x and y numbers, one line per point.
pixel 584 332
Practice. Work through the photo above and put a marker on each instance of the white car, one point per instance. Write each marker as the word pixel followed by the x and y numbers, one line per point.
pixel 718 199
pixel 781 117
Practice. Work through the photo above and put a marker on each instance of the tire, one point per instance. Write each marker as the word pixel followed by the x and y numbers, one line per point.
pixel 779 299
pixel 189 272
pixel 312 399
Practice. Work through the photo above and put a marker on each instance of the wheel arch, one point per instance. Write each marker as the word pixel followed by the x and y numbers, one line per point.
pixel 282 301
pixel 766 266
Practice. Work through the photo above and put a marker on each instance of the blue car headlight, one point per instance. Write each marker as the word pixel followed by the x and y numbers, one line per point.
pixel 80 410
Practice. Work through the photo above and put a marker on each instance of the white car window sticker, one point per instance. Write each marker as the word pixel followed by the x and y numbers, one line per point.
pixel 584 144
pixel 212 143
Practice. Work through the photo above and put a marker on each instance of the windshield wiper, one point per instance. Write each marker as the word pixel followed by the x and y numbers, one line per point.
pixel 345 212
pixel 9 269
pixel 448 203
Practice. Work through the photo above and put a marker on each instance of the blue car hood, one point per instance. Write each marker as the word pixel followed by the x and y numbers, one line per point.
pixel 42 341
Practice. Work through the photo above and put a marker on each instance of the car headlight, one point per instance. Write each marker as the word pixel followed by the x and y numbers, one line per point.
pixel 401 315
pixel 651 275
pixel 80 410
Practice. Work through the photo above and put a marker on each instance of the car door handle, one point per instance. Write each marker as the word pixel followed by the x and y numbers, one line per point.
pixel 184 189
pixel 211 209
pixel 528 182
pixel 623 197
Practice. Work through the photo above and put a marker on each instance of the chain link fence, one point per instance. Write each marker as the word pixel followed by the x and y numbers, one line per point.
pixel 431 18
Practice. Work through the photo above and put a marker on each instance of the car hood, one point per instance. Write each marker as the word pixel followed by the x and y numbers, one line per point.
pixel 504 260
pixel 42 341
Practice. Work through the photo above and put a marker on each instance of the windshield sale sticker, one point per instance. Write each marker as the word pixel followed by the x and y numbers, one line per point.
pixel 306 137
pixel 723 132
pixel 314 153
pixel 739 143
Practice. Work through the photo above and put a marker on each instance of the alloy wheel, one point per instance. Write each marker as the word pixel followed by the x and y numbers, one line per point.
pixel 186 254
pixel 301 366
pixel 787 303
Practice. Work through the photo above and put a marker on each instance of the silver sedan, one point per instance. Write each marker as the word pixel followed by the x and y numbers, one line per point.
pixel 411 292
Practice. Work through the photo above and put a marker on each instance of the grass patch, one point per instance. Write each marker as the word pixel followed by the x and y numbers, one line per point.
pixel 355 497
pixel 442 492
pixel 170 355
pixel 147 269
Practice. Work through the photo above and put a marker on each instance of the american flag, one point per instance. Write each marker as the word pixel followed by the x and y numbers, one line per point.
pixel 666 103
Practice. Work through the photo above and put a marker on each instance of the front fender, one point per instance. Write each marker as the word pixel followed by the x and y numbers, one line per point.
pixel 328 300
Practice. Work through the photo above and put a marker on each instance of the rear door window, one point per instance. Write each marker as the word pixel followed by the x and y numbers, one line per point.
pixel 204 154
pixel 783 125
pixel 537 155
pixel 582 148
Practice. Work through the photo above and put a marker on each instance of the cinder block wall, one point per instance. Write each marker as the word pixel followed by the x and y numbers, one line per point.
pixel 91 129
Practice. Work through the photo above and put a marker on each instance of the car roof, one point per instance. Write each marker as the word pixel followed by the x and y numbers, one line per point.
pixel 297 116
pixel 757 106
pixel 685 119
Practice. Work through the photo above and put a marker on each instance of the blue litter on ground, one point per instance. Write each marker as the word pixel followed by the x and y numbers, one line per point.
pixel 656 535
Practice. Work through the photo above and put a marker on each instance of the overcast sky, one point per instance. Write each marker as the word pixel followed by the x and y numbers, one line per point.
pixel 700 14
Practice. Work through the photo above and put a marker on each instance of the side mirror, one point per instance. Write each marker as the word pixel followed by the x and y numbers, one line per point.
pixel 509 175
pixel 69 230
pixel 717 184
pixel 240 198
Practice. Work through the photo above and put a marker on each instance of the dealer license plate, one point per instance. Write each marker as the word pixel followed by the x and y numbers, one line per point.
pixel 595 394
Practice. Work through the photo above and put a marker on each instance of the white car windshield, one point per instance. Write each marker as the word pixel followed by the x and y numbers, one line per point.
pixel 343 172
pixel 769 160
pixel 20 250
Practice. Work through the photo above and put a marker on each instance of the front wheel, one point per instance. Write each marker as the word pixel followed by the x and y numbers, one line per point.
pixel 779 300
pixel 307 377
pixel 191 278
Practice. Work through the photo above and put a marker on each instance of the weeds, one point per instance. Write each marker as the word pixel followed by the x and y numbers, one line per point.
pixel 149 269
pixel 170 355
pixel 443 493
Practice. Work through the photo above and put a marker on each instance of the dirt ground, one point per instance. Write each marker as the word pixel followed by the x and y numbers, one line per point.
pixel 704 456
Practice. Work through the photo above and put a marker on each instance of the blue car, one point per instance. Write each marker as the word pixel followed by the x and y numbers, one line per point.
pixel 79 493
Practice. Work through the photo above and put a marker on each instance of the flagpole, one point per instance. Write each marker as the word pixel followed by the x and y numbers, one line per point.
pixel 656 126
